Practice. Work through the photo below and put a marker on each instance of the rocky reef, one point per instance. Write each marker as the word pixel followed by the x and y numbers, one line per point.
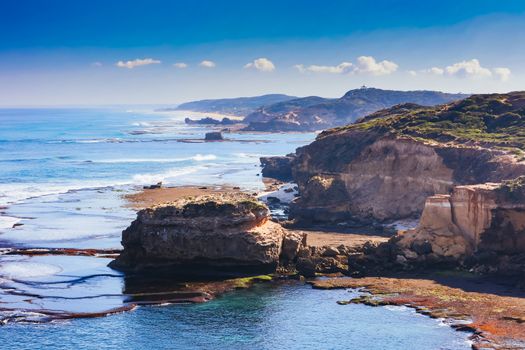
pixel 385 166
pixel 209 234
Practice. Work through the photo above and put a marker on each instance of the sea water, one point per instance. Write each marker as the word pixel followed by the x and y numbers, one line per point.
pixel 63 174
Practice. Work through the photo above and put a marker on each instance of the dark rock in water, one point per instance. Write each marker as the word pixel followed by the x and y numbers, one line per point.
pixel 273 200
pixel 211 234
pixel 213 136
pixel 152 187
pixel 279 168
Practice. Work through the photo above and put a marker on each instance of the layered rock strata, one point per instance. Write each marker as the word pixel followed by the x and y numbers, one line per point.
pixel 384 167
pixel 481 226
pixel 208 233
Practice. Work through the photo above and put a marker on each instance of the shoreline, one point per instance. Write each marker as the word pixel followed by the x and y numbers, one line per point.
pixel 492 312
pixel 205 291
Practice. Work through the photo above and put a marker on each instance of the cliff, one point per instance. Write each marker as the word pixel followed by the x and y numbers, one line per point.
pixel 315 113
pixel 386 165
pixel 481 227
pixel 208 233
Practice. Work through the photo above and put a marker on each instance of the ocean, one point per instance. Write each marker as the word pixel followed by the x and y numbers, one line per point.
pixel 63 174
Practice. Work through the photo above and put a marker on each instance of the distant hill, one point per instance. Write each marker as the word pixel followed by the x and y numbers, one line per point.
pixel 315 113
pixel 269 112
pixel 240 106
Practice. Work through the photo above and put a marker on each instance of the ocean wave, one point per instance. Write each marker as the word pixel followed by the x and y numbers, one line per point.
pixel 166 176
pixel 22 270
pixel 13 193
pixel 7 222
pixel 197 157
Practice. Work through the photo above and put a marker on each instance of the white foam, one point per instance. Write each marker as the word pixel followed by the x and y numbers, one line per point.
pixel 27 269
pixel 284 196
pixel 200 157
pixel 197 157
pixel 7 222
pixel 12 193
pixel 166 176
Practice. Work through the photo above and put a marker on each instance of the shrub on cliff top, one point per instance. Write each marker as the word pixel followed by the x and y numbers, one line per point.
pixel 495 120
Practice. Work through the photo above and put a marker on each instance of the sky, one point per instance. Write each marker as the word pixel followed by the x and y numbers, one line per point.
pixel 94 52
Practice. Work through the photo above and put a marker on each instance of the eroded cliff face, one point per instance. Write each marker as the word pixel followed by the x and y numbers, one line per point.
pixel 472 220
pixel 207 233
pixel 367 176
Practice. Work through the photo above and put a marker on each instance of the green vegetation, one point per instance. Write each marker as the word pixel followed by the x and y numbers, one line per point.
pixel 513 190
pixel 496 120
pixel 245 282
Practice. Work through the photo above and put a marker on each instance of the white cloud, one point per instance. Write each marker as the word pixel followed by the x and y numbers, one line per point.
pixel 468 69
pixel 207 64
pixel 96 64
pixel 180 65
pixel 365 65
pixel 262 64
pixel 136 63
pixel 436 71
pixel 369 65
pixel 502 73
pixel 341 68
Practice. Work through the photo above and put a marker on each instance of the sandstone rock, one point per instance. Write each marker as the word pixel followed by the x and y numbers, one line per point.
pixel 306 267
pixel 384 166
pixel 331 251
pixel 208 232
pixel 292 243
pixel 485 220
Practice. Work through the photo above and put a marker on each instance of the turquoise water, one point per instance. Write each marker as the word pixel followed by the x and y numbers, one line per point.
pixel 264 317
pixel 62 176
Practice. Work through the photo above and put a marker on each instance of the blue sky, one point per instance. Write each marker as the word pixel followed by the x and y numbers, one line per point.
pixel 119 52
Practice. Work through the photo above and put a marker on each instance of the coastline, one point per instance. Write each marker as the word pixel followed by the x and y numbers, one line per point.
pixel 492 312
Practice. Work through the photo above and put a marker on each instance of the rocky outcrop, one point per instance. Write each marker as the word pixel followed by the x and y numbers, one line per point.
pixel 279 168
pixel 475 225
pixel 359 177
pixel 385 166
pixel 209 233
pixel 213 136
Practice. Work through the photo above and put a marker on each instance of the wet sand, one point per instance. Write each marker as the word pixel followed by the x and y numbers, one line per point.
pixel 351 240
pixel 152 197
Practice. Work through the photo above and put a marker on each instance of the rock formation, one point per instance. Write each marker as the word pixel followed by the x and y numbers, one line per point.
pixel 213 136
pixel 385 166
pixel 207 233
pixel 476 225
pixel 279 168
